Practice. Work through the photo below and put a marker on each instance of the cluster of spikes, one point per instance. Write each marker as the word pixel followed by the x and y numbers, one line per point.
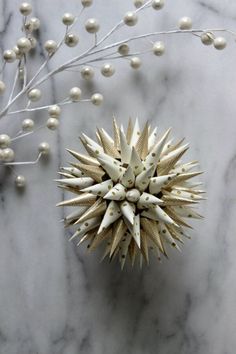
pixel 132 193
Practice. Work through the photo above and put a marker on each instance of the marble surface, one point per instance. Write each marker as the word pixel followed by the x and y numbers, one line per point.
pixel 54 298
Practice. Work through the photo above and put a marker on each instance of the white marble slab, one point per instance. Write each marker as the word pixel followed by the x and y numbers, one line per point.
pixel 54 299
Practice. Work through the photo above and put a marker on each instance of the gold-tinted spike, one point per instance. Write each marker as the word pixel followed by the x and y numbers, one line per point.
pixel 152 232
pixel 164 168
pixel 98 208
pixel 83 199
pixel 86 237
pixel 176 201
pixel 70 189
pixel 144 246
pixel 118 231
pixel 87 147
pixel 142 143
pixel 94 172
pixel 116 133
pixel 178 220
pixel 87 160
pixel 182 178
pixel 98 239
pixel 107 145
pixel 132 251
pixel 129 131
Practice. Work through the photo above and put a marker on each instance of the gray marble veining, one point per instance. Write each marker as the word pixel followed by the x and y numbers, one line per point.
pixel 54 298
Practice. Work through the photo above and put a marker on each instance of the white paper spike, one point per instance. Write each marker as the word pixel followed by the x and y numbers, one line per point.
pixel 156 183
pixel 125 149
pixel 152 139
pixel 173 154
pixel 99 189
pixel 81 182
pixel 127 209
pixel 182 168
pixel 113 170
pixel 135 134
pixel 154 155
pixel 136 230
pixel 128 178
pixel 111 215
pixel 75 214
pixel 93 143
pixel 124 248
pixel 118 192
pixel 143 179
pixel 165 234
pixel 86 226
pixel 135 162
pixel 187 212
pixel 147 200
pixel 157 213
pixel 73 171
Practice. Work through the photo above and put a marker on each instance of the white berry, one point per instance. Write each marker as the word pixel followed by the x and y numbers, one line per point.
pixel 158 4
pixel 86 3
pixel 138 3
pixel 2 87
pixel 135 62
pixel 97 99
pixel 92 25
pixel 44 148
pixel 185 23
pixel 220 43
pixel 25 8
pixel 107 70
pixel 34 95
pixel 87 73
pixel 75 94
pixel 28 125
pixel 158 48
pixel 24 44
pixel 54 111
pixel 20 181
pixel 130 18
pixel 71 40
pixel 50 46
pixel 8 155
pixel 123 49
pixel 35 23
pixel 9 56
pixel 5 141
pixel 52 123
pixel 68 19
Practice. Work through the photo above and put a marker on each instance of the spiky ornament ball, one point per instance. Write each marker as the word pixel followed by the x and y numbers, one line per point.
pixel 132 191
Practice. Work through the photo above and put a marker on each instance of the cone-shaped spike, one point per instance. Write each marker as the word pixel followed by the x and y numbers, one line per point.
pixel 187 195
pixel 80 182
pixel 127 210
pixel 128 178
pixel 166 148
pixel 177 219
pixel 156 183
pixel 86 237
pixel 100 189
pixel 187 212
pixel 75 215
pixel 157 213
pixel 82 199
pixel 155 153
pixel 151 230
pixel 116 133
pixel 111 215
pixel 183 168
pixel 170 199
pixel 147 200
pixel 135 133
pixel 94 172
pixel 73 171
pixel 98 239
pixel 133 248
pixel 86 226
pixel 125 149
pixel 129 131
pixel 97 209
pixel 152 139
pixel 107 145
pixel 95 146
pixel 114 171
pixel 143 179
pixel 87 160
pixel 183 177
pixel 169 161
pixel 135 162
pixel 142 143
pixel 124 248
pixel 118 232
pixel 116 193
pixel 136 230
pixel 144 246
pixel 163 231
